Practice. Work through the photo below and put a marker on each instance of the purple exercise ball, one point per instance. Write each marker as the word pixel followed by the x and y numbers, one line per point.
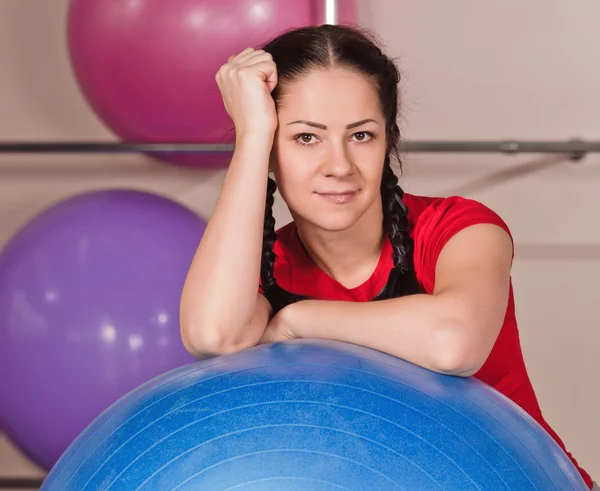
pixel 148 67
pixel 89 310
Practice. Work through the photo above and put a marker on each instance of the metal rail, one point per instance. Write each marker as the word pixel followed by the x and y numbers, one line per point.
pixel 576 149
pixel 20 483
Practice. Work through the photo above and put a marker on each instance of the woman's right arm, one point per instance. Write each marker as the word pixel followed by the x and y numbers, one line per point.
pixel 221 310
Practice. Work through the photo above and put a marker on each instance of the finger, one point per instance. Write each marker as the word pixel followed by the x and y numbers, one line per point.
pixel 269 72
pixel 258 57
pixel 249 49
pixel 251 57
pixel 241 56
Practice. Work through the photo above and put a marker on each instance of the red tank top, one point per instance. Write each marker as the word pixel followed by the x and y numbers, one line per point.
pixel 432 222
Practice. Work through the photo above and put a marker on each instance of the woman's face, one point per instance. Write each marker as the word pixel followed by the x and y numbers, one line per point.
pixel 330 148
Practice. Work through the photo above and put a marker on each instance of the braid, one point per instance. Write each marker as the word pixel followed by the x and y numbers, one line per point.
pixel 267 264
pixel 395 219
pixel 402 280
pixel 277 296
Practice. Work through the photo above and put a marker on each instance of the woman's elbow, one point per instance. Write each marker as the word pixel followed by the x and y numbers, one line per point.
pixel 207 339
pixel 195 343
pixel 200 334
pixel 458 354
pixel 201 340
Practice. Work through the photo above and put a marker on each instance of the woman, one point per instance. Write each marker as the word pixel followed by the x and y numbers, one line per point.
pixel 318 106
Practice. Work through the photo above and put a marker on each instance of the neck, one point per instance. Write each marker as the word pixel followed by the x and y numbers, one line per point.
pixel 348 256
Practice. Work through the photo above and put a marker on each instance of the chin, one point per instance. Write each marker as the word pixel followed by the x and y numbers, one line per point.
pixel 334 221
pixel 332 217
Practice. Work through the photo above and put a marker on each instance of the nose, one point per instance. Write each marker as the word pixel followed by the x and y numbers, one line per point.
pixel 338 161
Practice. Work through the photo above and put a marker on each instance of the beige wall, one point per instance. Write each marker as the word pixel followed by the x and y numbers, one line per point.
pixel 472 70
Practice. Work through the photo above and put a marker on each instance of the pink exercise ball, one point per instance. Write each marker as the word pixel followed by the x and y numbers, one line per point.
pixel 147 67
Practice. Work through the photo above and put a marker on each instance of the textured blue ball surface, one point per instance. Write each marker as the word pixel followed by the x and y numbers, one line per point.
pixel 312 415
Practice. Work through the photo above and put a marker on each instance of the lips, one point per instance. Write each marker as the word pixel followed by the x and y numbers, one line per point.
pixel 338 197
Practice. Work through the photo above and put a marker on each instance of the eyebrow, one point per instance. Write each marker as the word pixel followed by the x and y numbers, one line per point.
pixel 323 127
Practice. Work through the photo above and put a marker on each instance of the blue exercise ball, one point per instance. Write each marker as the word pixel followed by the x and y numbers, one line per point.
pixel 309 415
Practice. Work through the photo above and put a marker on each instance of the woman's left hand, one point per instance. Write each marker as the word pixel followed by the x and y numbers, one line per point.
pixel 278 329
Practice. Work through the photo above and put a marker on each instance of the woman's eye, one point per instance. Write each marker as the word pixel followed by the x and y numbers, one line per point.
pixel 305 138
pixel 362 136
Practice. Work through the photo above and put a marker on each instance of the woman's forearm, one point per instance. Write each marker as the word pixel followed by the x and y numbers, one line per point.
pixel 219 297
pixel 422 329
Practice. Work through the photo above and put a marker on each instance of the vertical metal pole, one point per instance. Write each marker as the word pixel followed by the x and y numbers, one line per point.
pixel 331 12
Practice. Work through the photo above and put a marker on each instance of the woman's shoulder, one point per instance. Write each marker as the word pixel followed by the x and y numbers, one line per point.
pixel 435 212
pixel 433 221
pixel 417 204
